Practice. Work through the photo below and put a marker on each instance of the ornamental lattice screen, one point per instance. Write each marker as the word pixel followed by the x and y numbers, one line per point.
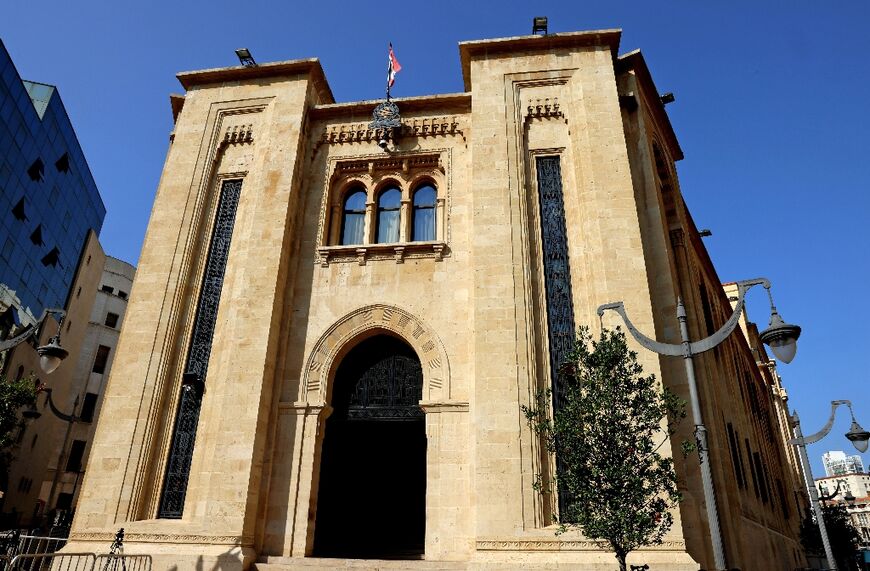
pixel 184 432
pixel 557 280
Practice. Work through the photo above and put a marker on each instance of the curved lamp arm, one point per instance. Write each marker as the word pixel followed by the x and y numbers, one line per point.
pixel 55 411
pixel 825 429
pixel 698 346
pixel 646 342
pixel 29 330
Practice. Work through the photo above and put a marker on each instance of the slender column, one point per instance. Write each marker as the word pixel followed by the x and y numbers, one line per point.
pixel 811 489
pixel 370 223
pixel 701 438
pixel 333 233
pixel 405 221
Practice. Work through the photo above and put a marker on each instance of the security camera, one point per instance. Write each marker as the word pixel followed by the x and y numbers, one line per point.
pixel 382 143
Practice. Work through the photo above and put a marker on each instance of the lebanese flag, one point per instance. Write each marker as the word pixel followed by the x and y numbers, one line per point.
pixel 393 68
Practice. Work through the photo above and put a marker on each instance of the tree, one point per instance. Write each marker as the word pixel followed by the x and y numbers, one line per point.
pixel 14 394
pixel 844 538
pixel 606 435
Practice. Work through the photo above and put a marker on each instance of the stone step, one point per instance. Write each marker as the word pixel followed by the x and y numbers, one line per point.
pixel 275 563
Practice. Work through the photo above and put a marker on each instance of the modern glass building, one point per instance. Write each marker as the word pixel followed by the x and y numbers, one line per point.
pixel 48 197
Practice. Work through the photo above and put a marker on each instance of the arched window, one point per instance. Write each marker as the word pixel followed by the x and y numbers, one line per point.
pixel 354 217
pixel 389 205
pixel 423 221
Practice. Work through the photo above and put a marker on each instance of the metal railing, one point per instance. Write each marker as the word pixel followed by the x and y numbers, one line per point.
pixel 53 562
pixel 38 553
pixel 122 562
pixel 78 562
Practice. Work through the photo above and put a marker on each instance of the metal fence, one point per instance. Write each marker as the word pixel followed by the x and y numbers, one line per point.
pixel 53 562
pixel 115 562
pixel 14 544
pixel 37 553
pixel 77 562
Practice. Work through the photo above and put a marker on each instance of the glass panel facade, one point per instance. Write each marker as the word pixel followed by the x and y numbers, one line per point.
pixel 64 206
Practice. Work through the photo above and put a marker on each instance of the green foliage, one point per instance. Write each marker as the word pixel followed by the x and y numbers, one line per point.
pixel 607 435
pixel 13 396
pixel 844 538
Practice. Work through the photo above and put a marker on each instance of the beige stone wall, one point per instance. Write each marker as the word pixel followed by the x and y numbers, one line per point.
pixel 41 444
pixel 737 389
pixel 470 303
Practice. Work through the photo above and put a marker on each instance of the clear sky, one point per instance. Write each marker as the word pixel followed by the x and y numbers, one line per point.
pixel 771 112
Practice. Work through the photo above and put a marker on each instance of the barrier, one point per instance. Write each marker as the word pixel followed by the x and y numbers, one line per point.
pixel 79 562
pixel 53 562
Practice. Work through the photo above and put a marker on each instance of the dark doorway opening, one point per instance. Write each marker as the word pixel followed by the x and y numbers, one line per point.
pixel 371 501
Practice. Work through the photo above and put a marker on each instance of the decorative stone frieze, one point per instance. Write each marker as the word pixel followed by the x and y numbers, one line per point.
pixel 546 108
pixel 131 537
pixel 416 127
pixel 238 134
pixel 556 544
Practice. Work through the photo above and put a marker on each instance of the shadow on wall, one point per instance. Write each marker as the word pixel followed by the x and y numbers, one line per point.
pixel 229 560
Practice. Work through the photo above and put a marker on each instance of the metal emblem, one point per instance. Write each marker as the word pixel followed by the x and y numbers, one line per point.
pixel 386 116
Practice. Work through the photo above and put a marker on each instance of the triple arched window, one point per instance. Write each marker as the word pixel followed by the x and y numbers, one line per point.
pixel 393 219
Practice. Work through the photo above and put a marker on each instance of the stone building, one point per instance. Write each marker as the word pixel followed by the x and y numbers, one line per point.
pixel 837 463
pixel 333 327
pixel 51 455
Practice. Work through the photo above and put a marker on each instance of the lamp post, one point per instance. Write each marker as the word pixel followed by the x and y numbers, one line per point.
pixel 780 336
pixel 859 438
pixel 50 354
pixel 70 419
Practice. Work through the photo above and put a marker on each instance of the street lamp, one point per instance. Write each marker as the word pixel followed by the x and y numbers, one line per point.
pixel 783 335
pixel 859 438
pixel 70 419
pixel 51 354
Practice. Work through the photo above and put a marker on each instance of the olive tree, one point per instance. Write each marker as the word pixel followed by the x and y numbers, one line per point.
pixel 607 433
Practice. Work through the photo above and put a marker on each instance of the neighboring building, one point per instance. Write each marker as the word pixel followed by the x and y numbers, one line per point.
pixel 48 198
pixel 37 488
pixel 858 485
pixel 837 463
pixel 23 503
pixel 334 328
pixel 859 511
pixel 50 257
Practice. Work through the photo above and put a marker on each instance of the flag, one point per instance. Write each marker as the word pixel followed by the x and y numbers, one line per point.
pixel 393 68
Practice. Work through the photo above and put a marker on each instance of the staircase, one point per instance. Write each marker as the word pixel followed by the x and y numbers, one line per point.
pixel 274 563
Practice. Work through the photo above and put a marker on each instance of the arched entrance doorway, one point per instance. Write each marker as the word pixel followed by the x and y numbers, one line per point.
pixel 371 501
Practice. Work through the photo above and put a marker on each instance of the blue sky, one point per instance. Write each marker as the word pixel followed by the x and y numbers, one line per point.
pixel 770 112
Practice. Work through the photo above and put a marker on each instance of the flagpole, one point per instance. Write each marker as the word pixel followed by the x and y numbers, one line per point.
pixel 389 69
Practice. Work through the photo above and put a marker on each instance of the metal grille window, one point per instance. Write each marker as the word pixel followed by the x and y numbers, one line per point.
pixel 557 281
pixel 184 434
pixel 557 270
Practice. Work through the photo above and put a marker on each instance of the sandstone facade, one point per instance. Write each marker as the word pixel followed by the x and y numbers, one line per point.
pixel 470 304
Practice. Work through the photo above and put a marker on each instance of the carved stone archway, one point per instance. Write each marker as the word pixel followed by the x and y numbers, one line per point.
pixel 366 321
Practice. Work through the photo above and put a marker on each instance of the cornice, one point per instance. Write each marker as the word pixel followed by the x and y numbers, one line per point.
pixel 472 49
pixel 634 61
pixel 310 66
